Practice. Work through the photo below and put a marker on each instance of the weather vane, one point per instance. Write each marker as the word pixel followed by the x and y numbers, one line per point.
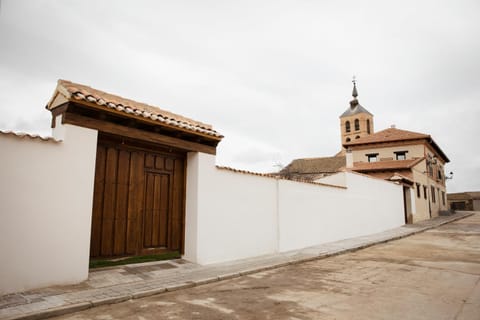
pixel 354 79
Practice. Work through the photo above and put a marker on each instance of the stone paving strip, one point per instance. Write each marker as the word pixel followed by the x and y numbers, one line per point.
pixel 118 284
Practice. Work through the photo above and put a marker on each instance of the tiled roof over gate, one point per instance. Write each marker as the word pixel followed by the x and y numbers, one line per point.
pixel 78 92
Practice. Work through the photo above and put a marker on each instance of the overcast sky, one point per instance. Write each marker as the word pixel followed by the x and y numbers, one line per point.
pixel 272 76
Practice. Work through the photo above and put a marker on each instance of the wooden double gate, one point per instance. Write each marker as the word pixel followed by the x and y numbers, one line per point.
pixel 138 204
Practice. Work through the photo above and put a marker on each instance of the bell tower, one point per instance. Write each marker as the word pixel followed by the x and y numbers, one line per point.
pixel 356 121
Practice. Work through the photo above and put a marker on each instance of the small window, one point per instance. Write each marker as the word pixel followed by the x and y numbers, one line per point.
pixel 433 193
pixel 443 197
pixel 372 157
pixel 439 175
pixel 401 155
pixel 418 190
pixel 357 125
pixel 425 192
pixel 348 140
pixel 347 126
pixel 368 126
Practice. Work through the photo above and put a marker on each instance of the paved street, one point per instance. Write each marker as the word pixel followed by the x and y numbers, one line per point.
pixel 430 275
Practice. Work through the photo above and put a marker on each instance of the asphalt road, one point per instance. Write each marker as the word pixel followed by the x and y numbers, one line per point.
pixel 431 275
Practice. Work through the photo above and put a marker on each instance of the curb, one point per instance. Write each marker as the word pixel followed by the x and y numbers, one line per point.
pixel 148 293
pixel 110 300
pixel 180 286
pixel 54 312
pixel 66 309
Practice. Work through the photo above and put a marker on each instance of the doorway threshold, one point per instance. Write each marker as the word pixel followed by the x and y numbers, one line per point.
pixel 113 262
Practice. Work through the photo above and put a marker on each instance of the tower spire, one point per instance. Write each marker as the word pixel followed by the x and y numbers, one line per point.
pixel 354 92
pixel 354 102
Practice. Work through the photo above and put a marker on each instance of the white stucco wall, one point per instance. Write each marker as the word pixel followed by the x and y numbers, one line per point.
pixel 338 179
pixel 232 215
pixel 413 195
pixel 311 214
pixel 46 193
pixel 46 190
pixel 228 215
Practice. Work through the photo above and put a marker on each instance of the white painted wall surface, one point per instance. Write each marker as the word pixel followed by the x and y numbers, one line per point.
pixel 314 214
pixel 229 215
pixel 46 191
pixel 338 179
pixel 232 215
pixel 413 194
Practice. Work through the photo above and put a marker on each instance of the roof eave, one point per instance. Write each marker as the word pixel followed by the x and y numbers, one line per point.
pixel 61 90
pixel 438 149
pixel 357 143
pixel 406 167
pixel 217 137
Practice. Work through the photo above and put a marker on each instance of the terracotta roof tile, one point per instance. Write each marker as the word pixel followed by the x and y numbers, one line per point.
pixel 75 91
pixel 268 175
pixel 385 165
pixel 356 109
pixel 388 135
pixel 388 175
pixel 28 135
pixel 314 165
pixel 305 176
pixel 278 177
pixel 408 175
pixel 395 135
pixel 475 195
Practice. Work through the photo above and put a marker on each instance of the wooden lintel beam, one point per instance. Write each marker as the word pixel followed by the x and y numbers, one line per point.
pixel 94 106
pixel 134 133
pixel 57 111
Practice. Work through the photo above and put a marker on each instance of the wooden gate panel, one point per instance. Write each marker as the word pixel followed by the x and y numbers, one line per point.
pixel 159 163
pixel 109 199
pixel 149 160
pixel 97 211
pixel 138 205
pixel 135 201
pixel 169 164
pixel 164 211
pixel 157 205
pixel 147 216
pixel 176 223
pixel 121 208
pixel 154 212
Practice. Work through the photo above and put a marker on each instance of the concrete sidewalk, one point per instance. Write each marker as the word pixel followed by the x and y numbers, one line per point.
pixel 112 285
